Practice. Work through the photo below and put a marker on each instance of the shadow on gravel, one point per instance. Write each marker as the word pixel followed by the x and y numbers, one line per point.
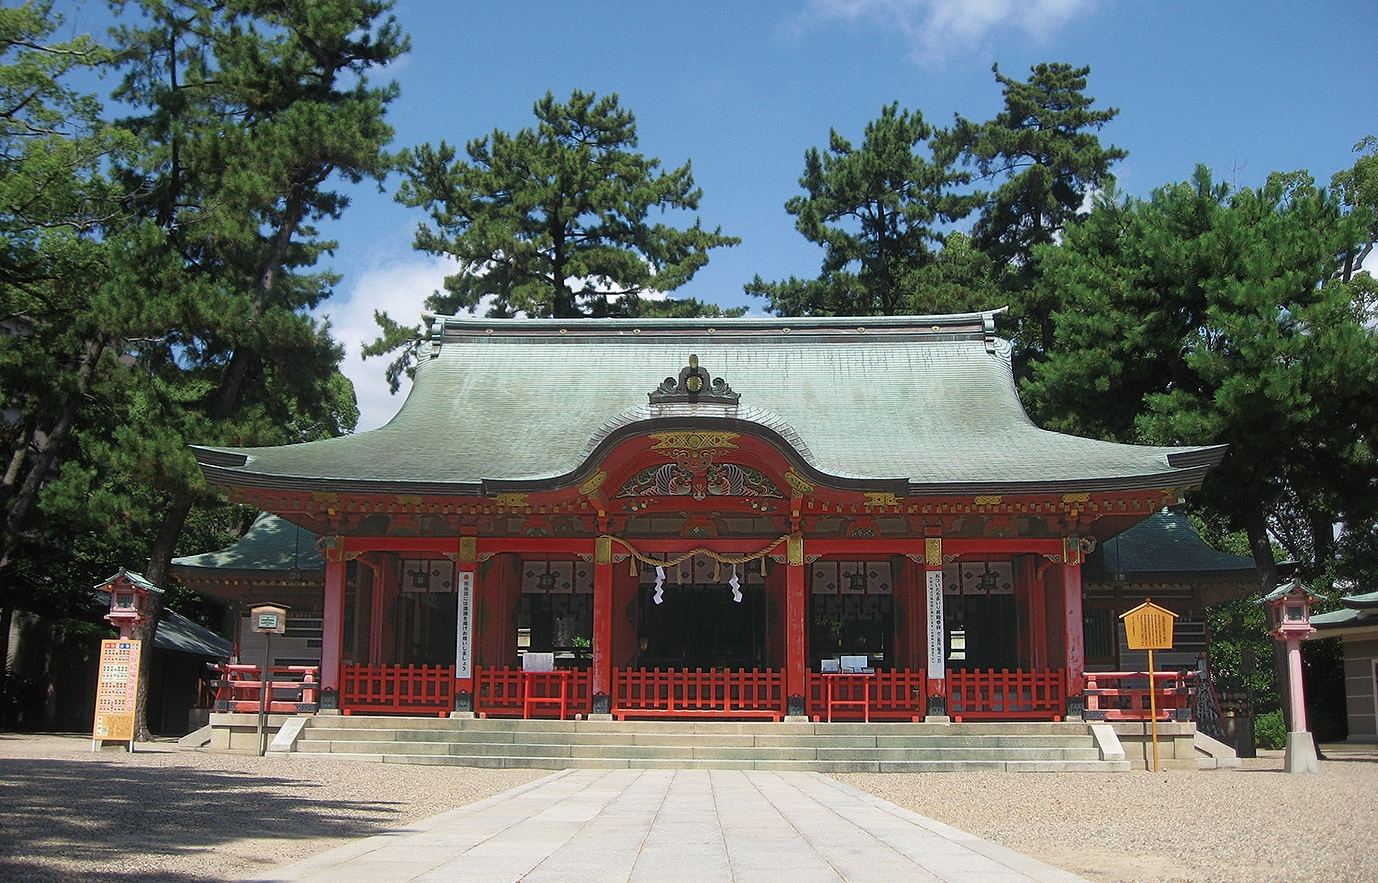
pixel 127 821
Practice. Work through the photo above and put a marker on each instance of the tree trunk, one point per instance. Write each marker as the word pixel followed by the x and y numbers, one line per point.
pixel 27 497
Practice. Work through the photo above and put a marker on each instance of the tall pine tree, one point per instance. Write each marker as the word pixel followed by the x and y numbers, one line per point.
pixel 1047 161
pixel 250 115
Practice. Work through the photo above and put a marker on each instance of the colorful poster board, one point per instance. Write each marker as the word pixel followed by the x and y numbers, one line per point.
pixel 116 686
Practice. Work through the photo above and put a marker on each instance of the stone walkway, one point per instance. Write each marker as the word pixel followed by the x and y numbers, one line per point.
pixel 645 826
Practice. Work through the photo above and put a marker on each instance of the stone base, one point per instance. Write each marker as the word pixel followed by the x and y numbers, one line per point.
pixel 937 719
pixel 600 716
pixel 1301 754
pixel 463 716
pixel 798 719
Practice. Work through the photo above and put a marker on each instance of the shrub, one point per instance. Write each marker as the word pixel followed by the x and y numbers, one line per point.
pixel 1270 731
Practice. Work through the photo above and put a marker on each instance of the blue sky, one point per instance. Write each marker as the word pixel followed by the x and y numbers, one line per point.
pixel 743 89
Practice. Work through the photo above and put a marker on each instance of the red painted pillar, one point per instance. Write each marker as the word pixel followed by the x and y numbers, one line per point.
pixel 796 623
pixel 601 675
pixel 1071 605
pixel 1030 582
pixel 332 616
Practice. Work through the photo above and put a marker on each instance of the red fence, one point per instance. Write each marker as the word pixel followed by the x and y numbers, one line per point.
pixel 507 692
pixel 681 693
pixel 676 693
pixel 397 689
pixel 292 689
pixel 1006 695
pixel 884 695
pixel 1124 695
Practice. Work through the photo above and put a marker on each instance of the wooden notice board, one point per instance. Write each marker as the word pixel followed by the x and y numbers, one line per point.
pixel 1148 627
pixel 116 687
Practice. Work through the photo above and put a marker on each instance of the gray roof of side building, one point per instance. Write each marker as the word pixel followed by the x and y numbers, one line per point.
pixel 270 544
pixel 927 404
pixel 1166 542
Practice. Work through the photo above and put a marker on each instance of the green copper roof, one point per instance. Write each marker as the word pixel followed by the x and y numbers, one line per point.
pixel 1165 542
pixel 271 544
pixel 922 404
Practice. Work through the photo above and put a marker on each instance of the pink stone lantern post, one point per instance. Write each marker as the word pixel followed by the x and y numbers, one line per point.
pixel 1289 618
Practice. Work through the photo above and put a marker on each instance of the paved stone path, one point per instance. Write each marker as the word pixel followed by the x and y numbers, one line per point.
pixel 647 826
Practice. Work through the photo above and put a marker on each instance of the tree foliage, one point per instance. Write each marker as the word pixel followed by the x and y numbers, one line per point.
pixel 557 220
pixel 179 311
pixel 1043 152
pixel 877 211
pixel 1205 316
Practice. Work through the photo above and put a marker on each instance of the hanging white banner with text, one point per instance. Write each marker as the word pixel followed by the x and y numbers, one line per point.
pixel 464 625
pixel 937 661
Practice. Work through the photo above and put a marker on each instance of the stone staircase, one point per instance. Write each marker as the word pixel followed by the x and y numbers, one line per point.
pixel 821 747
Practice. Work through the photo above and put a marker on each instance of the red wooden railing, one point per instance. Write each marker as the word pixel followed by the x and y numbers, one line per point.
pixel 397 689
pixel 672 693
pixel 1124 695
pixel 292 689
pixel 508 692
pixel 1006 695
pixel 681 693
pixel 888 695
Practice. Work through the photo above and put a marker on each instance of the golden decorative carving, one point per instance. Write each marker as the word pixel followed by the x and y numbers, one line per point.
pixel 798 482
pixel 693 441
pixel 1076 498
pixel 794 549
pixel 468 549
pixel 410 500
pixel 882 500
pixel 594 483
pixel 602 550
pixel 933 551
pixel 511 501
pixel 986 501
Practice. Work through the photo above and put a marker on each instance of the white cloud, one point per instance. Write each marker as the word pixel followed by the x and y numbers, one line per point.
pixel 938 28
pixel 399 287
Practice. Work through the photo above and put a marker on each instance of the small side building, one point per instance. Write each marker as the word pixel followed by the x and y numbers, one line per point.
pixel 1356 623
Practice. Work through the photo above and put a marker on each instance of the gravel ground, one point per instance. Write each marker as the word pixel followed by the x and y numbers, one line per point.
pixel 172 816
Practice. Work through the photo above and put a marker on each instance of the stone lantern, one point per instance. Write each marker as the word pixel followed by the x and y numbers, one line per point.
pixel 1289 620
pixel 128 600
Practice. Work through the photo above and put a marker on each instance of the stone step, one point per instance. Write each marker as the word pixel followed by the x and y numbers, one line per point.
pixel 837 747
pixel 763 739
pixel 823 766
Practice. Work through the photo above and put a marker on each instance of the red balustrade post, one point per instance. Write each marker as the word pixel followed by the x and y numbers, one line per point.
pixel 602 625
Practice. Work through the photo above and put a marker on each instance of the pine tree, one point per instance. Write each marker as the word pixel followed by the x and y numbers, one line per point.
pixel 557 220
pixel 876 211
pixel 1205 316
pixel 1043 151
pixel 249 114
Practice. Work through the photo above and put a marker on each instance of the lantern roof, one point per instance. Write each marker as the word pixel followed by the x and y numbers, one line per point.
pixel 1291 588
pixel 128 577
pixel 918 405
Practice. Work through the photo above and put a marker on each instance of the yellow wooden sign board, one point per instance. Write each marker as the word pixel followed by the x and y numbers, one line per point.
pixel 1148 627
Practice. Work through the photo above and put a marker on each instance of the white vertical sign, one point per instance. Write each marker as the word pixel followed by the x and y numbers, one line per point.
pixel 937 638
pixel 464 625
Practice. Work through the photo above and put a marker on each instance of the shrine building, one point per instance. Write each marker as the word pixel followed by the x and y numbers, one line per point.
pixel 728 518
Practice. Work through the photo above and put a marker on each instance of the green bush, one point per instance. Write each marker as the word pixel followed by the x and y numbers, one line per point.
pixel 1270 731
